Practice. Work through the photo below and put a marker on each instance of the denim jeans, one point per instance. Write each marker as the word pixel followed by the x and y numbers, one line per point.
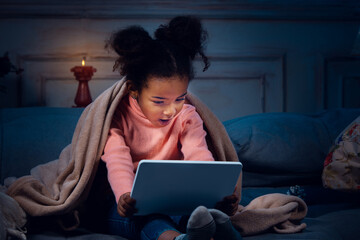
pixel 148 227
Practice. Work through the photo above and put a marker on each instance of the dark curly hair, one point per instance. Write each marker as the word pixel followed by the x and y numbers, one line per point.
pixel 169 53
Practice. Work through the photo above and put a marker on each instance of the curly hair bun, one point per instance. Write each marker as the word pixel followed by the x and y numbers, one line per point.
pixel 187 32
pixel 130 44
pixel 130 41
pixel 171 51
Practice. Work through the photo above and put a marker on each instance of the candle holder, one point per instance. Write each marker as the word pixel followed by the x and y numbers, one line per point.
pixel 83 74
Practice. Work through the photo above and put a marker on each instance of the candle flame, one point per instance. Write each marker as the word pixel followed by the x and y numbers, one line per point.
pixel 83 62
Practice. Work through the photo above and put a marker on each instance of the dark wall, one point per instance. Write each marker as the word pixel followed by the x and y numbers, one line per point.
pixel 267 56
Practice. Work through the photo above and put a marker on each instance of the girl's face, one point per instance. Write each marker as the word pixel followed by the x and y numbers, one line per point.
pixel 162 99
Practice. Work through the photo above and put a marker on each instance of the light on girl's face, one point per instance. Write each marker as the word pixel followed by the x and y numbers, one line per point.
pixel 162 99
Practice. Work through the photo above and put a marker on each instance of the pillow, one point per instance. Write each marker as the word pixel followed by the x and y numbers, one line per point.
pixel 342 164
pixel 33 136
pixel 279 149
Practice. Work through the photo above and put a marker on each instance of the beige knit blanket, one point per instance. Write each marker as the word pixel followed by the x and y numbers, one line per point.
pixel 276 212
pixel 60 186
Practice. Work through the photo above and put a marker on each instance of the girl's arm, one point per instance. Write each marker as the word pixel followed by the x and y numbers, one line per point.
pixel 119 163
pixel 192 139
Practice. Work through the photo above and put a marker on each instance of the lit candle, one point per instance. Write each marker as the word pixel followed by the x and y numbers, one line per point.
pixel 83 74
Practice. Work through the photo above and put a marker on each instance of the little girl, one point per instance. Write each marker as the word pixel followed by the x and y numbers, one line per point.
pixel 153 122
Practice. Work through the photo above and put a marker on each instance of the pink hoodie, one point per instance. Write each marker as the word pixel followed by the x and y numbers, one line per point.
pixel 132 137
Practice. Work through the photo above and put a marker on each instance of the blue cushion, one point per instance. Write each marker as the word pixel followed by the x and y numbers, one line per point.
pixel 337 120
pixel 279 148
pixel 282 149
pixel 32 136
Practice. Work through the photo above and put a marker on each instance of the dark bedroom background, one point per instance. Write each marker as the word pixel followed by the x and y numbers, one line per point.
pixel 266 56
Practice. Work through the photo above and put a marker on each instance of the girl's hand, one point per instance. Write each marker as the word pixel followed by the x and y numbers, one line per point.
pixel 229 204
pixel 126 205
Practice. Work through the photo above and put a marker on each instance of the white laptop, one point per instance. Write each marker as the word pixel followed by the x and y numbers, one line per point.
pixel 177 187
